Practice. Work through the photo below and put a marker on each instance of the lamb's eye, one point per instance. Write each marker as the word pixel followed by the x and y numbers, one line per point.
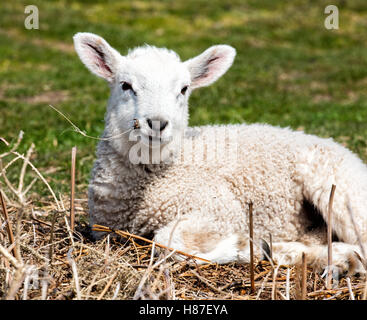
pixel 126 86
pixel 184 89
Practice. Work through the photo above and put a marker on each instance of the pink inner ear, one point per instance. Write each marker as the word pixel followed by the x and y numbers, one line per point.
pixel 99 58
pixel 209 70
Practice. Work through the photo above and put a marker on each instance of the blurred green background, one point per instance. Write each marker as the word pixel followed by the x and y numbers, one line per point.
pixel 289 70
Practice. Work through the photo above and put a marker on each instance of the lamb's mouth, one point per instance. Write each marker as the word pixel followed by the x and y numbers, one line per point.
pixel 152 141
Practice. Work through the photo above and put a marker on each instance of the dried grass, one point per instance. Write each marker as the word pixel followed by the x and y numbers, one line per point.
pixel 54 262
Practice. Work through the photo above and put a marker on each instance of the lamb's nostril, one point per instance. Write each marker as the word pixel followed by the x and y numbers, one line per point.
pixel 163 125
pixel 150 124
pixel 157 124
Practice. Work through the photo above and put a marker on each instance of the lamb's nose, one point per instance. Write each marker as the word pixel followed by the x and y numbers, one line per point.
pixel 157 124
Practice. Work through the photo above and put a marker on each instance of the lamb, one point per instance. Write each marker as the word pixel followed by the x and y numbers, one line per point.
pixel 190 188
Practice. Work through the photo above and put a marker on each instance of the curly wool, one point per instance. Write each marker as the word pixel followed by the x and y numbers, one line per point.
pixel 276 169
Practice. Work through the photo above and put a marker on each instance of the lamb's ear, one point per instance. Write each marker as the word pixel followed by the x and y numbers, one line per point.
pixel 210 65
pixel 98 56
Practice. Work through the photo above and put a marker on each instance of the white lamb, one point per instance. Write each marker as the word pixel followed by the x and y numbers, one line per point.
pixel 178 194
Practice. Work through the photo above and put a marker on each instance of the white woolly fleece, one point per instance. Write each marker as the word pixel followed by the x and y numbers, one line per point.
pixel 201 206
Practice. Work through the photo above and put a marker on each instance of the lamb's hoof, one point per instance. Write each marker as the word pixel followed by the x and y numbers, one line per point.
pixel 266 251
pixel 346 263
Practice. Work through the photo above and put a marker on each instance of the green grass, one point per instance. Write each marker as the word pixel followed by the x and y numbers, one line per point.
pixel 289 70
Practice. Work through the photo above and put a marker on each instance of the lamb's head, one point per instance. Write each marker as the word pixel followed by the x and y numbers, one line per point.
pixel 150 88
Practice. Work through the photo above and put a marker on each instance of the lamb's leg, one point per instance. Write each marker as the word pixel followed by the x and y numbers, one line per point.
pixel 345 259
pixel 199 237
pixel 202 240
pixel 324 163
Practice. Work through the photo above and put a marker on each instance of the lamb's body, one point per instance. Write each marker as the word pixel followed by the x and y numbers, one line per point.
pixel 142 198
pixel 277 169
pixel 201 206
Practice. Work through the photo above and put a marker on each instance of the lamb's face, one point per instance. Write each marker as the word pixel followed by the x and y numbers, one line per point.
pixel 150 88
pixel 150 94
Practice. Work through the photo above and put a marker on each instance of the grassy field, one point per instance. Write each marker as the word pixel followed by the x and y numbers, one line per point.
pixel 289 71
